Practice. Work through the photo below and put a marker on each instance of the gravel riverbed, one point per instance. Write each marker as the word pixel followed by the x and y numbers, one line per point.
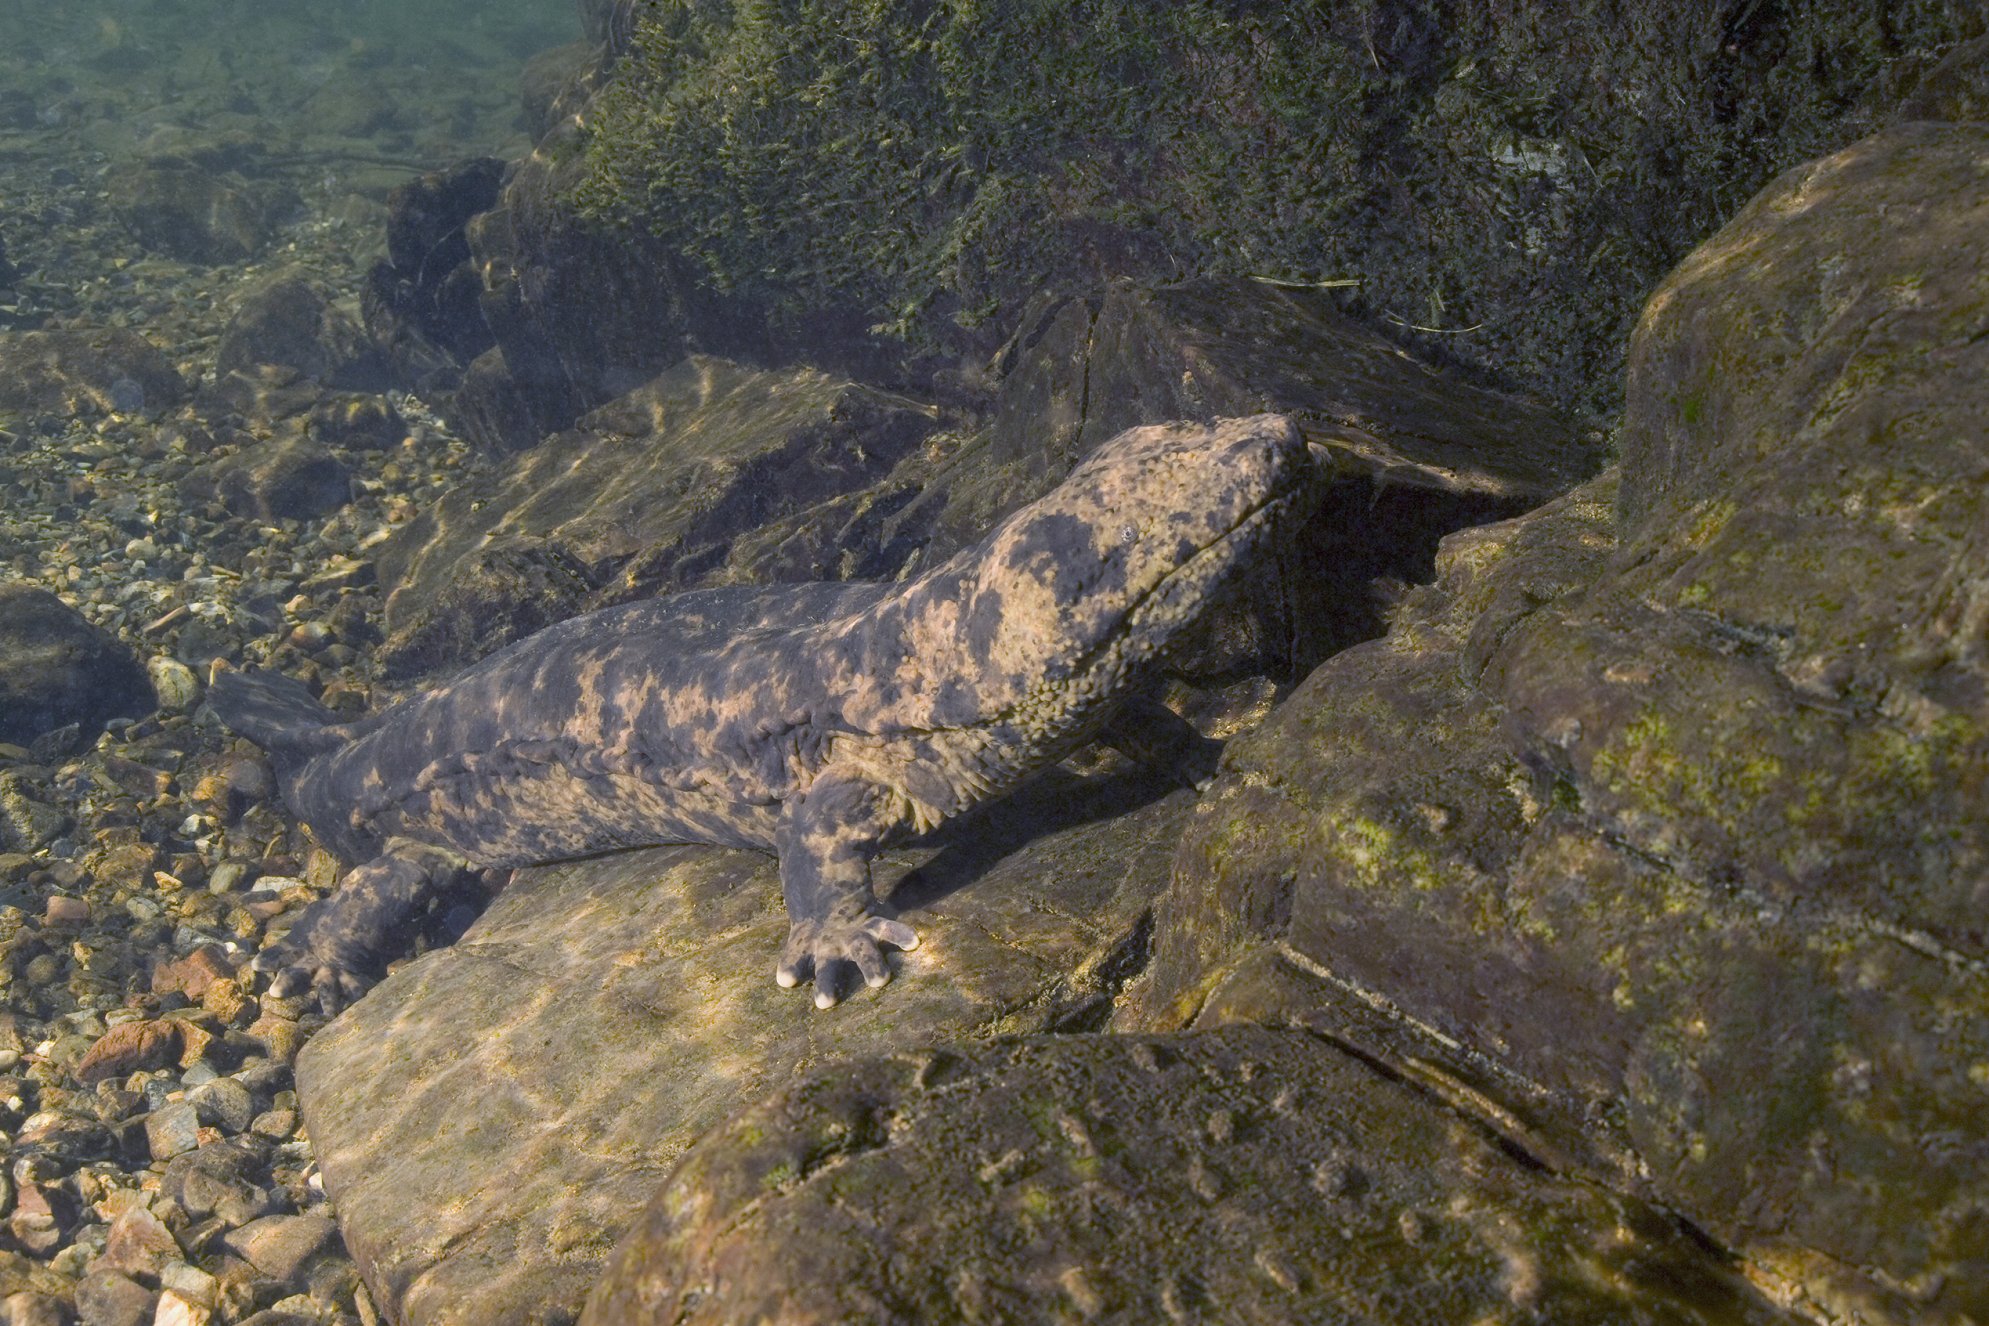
pixel 154 1167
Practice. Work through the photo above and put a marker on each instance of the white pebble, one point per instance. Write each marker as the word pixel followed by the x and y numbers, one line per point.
pixel 177 688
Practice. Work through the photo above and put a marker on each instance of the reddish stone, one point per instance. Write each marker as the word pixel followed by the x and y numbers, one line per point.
pixel 139 1243
pixel 192 974
pixel 128 1047
pixel 60 910
pixel 36 1224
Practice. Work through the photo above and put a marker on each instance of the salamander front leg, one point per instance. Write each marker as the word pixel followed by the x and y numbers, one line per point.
pixel 341 944
pixel 826 841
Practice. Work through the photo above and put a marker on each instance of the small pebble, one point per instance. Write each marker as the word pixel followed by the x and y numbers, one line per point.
pixel 127 396
pixel 223 1102
pixel 33 1223
pixel 131 1047
pixel 63 910
pixel 174 683
pixel 138 1242
pixel 30 1309
pixel 189 1282
pixel 280 1245
pixel 106 1298
pixel 172 1129
pixel 176 1310
pixel 276 1124
pixel 195 973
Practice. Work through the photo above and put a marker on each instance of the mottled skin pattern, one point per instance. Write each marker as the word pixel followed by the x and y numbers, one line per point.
pixel 819 721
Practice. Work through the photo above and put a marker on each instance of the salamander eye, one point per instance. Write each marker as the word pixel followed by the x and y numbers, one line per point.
pixel 1128 534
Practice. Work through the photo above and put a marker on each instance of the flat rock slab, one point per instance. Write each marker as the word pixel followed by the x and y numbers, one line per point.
pixel 1222 346
pixel 641 497
pixel 494 1116
pixel 1241 1175
pixel 1081 371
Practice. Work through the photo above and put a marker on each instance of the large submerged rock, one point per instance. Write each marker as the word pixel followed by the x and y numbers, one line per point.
pixel 580 314
pixel 287 477
pixel 57 669
pixel 420 303
pixel 287 319
pixel 1237 1175
pixel 1666 811
pixel 84 371
pixel 1080 371
pixel 1612 928
pixel 610 1011
pixel 495 1114
pixel 180 208
pixel 717 473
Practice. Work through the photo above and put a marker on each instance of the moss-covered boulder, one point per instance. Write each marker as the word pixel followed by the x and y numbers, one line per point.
pixel 884 191
pixel 556 84
pixel 1513 177
pixel 1665 813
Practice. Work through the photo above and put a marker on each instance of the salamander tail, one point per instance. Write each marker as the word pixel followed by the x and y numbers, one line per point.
pixel 275 712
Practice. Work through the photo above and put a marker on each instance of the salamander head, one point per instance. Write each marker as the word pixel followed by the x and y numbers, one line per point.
pixel 1096 577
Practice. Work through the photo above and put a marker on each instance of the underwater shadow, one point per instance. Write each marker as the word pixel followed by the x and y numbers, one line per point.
pixel 1049 804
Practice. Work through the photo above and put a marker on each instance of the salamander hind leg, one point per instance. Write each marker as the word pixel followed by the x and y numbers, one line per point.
pixel 340 946
pixel 826 841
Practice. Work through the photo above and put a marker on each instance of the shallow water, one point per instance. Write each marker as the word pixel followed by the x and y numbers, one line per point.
pixel 162 162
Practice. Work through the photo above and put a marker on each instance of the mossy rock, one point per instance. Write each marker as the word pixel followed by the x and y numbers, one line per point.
pixel 1515 177
pixel 1663 814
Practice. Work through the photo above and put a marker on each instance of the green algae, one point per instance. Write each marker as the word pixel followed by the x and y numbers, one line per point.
pixel 1378 856
pixel 1525 171
pixel 1648 761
